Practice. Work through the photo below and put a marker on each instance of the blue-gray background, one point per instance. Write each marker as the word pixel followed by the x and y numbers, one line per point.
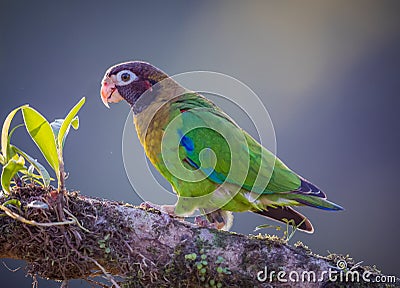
pixel 328 72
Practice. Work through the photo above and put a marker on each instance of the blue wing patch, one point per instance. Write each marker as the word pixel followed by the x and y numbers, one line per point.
pixel 186 142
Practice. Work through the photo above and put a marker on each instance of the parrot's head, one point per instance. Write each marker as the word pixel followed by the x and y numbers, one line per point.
pixel 128 81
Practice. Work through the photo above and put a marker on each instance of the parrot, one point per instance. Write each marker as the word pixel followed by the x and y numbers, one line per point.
pixel 212 164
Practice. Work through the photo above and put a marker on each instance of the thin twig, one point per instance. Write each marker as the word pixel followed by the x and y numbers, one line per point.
pixel 76 221
pixel 18 217
pixel 9 269
pixel 109 277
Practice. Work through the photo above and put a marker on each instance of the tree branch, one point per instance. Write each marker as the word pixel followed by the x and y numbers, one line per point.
pixel 139 247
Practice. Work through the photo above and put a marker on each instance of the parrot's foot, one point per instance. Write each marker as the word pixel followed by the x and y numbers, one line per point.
pixel 222 219
pixel 218 219
pixel 167 209
pixel 147 205
pixel 203 222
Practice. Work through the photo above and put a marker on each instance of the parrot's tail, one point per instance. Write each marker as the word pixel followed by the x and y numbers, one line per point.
pixel 314 201
pixel 281 213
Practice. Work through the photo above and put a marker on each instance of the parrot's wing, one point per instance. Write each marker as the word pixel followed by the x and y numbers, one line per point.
pixel 225 152
pixel 282 179
pixel 214 144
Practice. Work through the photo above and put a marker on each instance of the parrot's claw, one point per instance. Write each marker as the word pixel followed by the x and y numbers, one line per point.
pixel 148 205
pixel 166 209
pixel 203 222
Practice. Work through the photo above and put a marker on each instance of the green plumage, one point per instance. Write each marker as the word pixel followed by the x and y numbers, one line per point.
pixel 211 163
pixel 236 164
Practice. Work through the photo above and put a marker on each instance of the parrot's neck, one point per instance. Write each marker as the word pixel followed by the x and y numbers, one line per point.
pixel 142 103
pixel 157 96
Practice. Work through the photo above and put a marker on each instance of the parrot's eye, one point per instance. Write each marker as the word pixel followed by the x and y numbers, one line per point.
pixel 125 77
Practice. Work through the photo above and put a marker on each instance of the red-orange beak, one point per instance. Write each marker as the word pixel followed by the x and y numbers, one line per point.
pixel 108 92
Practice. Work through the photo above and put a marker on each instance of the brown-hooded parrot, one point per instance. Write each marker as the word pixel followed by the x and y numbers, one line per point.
pixel 212 164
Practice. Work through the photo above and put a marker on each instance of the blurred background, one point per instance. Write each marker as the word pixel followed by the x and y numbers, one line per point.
pixel 327 71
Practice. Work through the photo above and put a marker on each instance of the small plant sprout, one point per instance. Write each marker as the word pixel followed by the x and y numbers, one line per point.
pixel 13 159
pixel 13 166
pixel 11 163
pixel 48 137
pixel 288 234
pixel 291 229
pixel 191 256
pixel 265 226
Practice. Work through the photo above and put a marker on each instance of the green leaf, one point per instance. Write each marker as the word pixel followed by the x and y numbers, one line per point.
pixel 75 123
pixel 2 160
pixel 41 133
pixel 70 119
pixel 56 126
pixel 33 177
pixel 30 169
pixel 10 151
pixel 191 256
pixel 39 167
pixel 4 133
pixel 14 202
pixel 264 226
pixel 9 170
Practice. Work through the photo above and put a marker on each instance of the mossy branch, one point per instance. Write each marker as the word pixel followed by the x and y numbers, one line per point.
pixel 137 247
